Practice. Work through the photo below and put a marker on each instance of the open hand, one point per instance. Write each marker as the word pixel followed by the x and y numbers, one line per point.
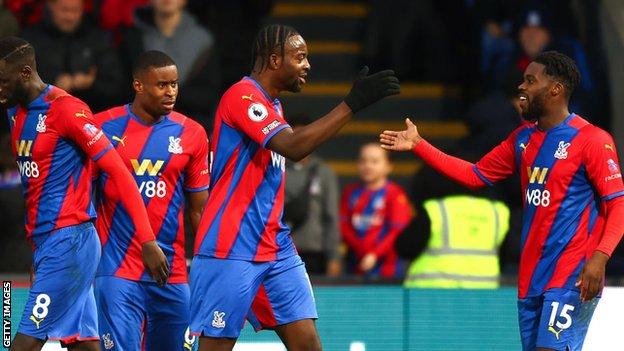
pixel 400 141
pixel 155 262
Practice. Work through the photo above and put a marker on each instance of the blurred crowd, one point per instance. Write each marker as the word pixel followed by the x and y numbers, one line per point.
pixel 372 228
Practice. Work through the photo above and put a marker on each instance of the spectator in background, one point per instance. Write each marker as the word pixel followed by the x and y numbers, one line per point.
pixel 311 210
pixel 373 212
pixel 76 55
pixel 454 238
pixel 8 23
pixel 535 34
pixel 166 26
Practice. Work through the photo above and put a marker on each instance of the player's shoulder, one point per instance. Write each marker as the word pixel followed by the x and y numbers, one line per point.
pixel 245 90
pixel 395 189
pixel 61 100
pixel 111 114
pixel 189 124
pixel 590 132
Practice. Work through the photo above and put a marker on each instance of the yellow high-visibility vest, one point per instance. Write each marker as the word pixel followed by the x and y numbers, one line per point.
pixel 462 252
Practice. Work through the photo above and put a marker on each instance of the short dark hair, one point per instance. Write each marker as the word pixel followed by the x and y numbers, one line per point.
pixel 151 59
pixel 16 50
pixel 560 67
pixel 270 40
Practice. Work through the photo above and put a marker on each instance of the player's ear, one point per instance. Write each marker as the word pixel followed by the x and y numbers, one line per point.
pixel 25 73
pixel 275 61
pixel 557 89
pixel 137 85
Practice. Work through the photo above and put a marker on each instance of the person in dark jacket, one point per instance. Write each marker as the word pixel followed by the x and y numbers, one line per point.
pixel 75 55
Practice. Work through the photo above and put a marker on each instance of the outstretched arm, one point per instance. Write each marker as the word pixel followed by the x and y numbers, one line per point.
pixel 454 168
pixel 366 90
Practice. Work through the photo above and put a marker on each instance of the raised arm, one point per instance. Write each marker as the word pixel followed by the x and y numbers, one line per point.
pixel 366 90
pixel 498 164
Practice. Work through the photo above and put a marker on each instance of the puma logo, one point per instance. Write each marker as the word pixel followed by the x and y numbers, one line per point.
pixel 554 331
pixel 36 321
pixel 608 147
pixel 121 140
pixel 82 114
pixel 247 97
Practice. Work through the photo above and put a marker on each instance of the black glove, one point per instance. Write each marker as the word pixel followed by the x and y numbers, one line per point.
pixel 368 89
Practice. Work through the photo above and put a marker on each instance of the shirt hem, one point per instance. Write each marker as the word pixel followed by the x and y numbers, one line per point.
pixel 273 256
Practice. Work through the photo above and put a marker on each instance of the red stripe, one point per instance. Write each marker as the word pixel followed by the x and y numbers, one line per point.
pixel 216 199
pixel 573 254
pixel 131 266
pixel 542 221
pixel 390 265
pixel 253 175
pixel 36 185
pixel 261 307
pixel 267 247
pixel 74 338
pixel 144 334
pixel 178 269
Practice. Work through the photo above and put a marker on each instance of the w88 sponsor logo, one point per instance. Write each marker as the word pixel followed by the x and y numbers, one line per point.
pixel 537 197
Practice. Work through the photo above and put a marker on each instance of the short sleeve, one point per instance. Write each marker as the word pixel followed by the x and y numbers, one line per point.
pixel 197 170
pixel 75 122
pixel 602 165
pixel 254 117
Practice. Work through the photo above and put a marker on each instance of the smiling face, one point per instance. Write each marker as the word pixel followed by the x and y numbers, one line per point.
pixel 534 91
pixel 293 67
pixel 157 89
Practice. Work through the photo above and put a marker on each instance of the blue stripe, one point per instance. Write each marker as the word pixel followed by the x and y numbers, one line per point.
pixel 169 228
pixel 102 153
pixel 156 148
pixel 565 226
pixel 551 249
pixel 483 178
pixel 257 215
pixel 229 140
pixel 65 159
pixel 196 190
pixel 121 231
pixel 273 133
pixel 245 155
pixel 116 127
pixel 613 196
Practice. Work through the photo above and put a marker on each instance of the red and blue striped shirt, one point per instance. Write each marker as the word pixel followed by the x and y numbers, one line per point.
pixel 567 174
pixel 165 159
pixel 53 139
pixel 370 222
pixel 243 216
